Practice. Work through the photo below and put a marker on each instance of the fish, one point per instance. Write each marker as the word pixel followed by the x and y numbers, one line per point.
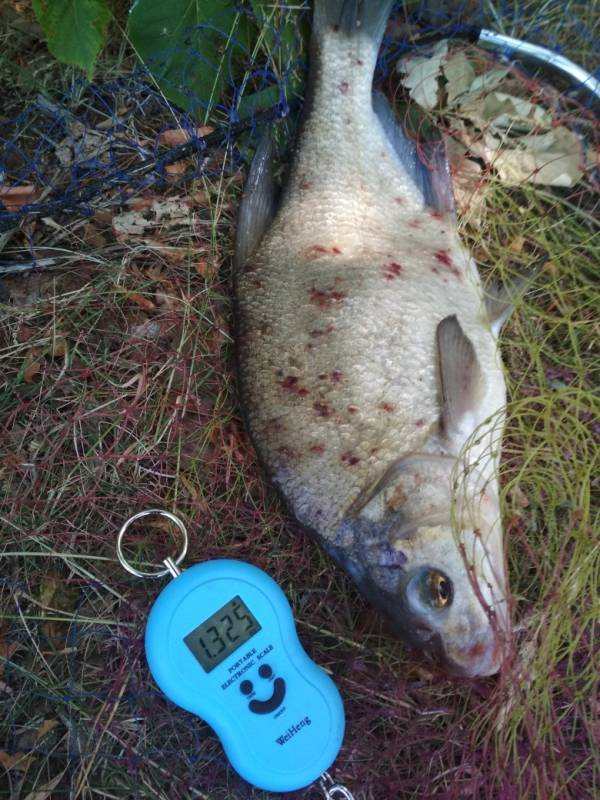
pixel 368 359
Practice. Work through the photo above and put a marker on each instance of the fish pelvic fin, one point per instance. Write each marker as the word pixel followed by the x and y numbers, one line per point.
pixel 258 204
pixel 352 17
pixel 462 381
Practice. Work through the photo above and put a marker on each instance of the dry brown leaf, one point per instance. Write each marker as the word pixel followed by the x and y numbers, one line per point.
pixel 15 197
pixel 32 371
pixel 176 136
pixel 46 726
pixel 6 652
pixel 45 791
pixel 141 301
pixel 176 168
pixel 18 761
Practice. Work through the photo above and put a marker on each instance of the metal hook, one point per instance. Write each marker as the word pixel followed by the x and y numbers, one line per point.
pixel 333 791
pixel 171 566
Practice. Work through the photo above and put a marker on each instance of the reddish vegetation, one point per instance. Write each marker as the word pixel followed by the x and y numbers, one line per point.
pixel 391 270
pixel 387 407
pixel 292 385
pixel 323 409
pixel 325 298
pixel 349 458
pixel 343 87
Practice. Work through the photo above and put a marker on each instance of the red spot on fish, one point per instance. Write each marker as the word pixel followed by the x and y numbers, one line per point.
pixel 319 449
pixel 437 215
pixel 443 256
pixel 292 385
pixel 477 650
pixel 352 409
pixel 337 376
pixel 322 376
pixel 322 331
pixel 391 270
pixel 419 423
pixel 305 185
pixel 374 450
pixel 360 62
pixel 325 298
pixel 257 283
pixel 414 223
pixel 350 458
pixel 318 250
pixel 323 409
pixel 387 407
pixel 399 200
pixel 343 87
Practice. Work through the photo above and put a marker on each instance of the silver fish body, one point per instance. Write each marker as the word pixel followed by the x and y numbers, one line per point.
pixel 367 358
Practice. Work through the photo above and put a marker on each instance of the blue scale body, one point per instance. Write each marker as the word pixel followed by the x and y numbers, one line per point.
pixel 278 715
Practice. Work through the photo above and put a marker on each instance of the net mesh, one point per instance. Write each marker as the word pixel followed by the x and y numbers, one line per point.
pixel 117 395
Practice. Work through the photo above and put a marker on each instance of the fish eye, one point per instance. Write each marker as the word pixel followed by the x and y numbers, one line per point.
pixel 439 589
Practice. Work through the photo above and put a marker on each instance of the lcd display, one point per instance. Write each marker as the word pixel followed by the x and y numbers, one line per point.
pixel 222 633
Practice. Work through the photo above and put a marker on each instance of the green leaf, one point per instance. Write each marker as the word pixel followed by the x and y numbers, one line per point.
pixel 76 29
pixel 183 44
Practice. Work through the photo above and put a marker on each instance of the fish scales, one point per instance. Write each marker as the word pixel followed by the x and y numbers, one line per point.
pixel 338 311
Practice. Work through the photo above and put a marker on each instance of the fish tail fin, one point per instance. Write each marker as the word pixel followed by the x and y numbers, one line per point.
pixel 352 17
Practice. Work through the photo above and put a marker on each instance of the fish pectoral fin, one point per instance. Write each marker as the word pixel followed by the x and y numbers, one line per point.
pixel 500 298
pixel 462 380
pixel 258 205
pixel 429 172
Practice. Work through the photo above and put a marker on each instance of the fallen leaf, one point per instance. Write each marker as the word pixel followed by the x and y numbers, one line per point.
pixel 141 301
pixel 19 761
pixel 15 197
pixel 46 726
pixel 422 75
pixel 32 371
pixel 175 136
pixel 45 791
pixel 176 168
pixel 459 75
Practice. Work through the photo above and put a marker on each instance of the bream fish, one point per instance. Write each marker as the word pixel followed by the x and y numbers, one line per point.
pixel 368 357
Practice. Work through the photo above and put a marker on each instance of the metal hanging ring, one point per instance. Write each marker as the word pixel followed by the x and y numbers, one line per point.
pixel 157 573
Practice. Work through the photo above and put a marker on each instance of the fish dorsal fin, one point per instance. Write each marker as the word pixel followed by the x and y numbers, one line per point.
pixel 258 205
pixel 462 381
pixel 430 173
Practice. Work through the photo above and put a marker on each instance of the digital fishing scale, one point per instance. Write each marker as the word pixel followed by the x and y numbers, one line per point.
pixel 221 642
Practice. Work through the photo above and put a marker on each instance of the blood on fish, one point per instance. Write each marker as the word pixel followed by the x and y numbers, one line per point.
pixel 257 283
pixel 414 223
pixel 306 185
pixel 319 449
pixel 360 62
pixel 399 200
pixel 337 376
pixel 443 256
pixel 477 650
pixel 391 270
pixel 350 458
pixel 387 407
pixel 322 376
pixel 352 409
pixel 437 215
pixel 317 250
pixel 343 87
pixel 322 331
pixel 419 423
pixel 325 298
pixel 336 251
pixel 291 384
pixel 323 409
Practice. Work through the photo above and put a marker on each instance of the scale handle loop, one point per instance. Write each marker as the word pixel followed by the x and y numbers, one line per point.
pixel 334 791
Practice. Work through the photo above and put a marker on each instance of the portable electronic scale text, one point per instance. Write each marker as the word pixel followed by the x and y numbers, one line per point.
pixel 221 642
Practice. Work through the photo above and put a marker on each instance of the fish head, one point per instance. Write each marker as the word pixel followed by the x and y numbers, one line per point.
pixel 437 571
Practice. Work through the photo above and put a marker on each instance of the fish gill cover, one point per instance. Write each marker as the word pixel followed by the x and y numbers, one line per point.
pixel 117 394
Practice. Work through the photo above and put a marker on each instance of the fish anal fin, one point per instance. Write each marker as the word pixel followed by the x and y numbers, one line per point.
pixel 426 163
pixel 258 204
pixel 462 380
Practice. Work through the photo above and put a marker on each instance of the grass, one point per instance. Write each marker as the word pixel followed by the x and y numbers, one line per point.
pixel 117 393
